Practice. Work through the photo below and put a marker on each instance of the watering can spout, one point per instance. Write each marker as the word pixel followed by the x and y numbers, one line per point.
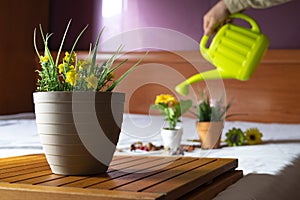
pixel 183 88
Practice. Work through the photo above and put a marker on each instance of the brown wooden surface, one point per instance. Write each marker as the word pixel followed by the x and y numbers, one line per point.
pixel 271 95
pixel 223 181
pixel 128 177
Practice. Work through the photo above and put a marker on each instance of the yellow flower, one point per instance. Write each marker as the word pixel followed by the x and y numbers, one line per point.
pixel 172 102
pixel 253 136
pixel 71 76
pixel 166 99
pixel 110 76
pixel 92 82
pixel 44 58
pixel 71 67
pixel 68 57
pixel 61 68
pixel 84 65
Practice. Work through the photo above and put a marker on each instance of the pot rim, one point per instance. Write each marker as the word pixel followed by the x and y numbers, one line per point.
pixel 176 129
pixel 70 92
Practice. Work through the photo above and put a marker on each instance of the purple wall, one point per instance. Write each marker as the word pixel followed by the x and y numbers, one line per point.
pixel 280 23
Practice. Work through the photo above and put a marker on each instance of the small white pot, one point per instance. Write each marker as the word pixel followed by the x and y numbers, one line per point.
pixel 171 139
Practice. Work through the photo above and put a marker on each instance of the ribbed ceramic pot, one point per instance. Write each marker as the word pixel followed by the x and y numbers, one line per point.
pixel 210 134
pixel 171 139
pixel 79 131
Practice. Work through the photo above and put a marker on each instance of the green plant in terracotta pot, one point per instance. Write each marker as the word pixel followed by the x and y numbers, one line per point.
pixel 210 120
pixel 78 115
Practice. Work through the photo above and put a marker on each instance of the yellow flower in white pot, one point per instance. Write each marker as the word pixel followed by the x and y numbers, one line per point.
pixel 172 109
pixel 78 116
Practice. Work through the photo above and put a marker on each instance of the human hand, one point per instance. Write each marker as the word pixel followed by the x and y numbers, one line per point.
pixel 214 16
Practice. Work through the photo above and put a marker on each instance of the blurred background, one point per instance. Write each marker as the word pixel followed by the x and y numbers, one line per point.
pixel 20 17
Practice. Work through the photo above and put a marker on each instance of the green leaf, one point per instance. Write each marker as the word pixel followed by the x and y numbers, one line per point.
pixel 185 105
pixel 62 42
pixel 125 74
pixel 95 51
pixel 34 43
pixel 45 40
pixel 75 43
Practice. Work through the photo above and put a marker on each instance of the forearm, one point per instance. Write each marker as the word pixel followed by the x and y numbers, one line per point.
pixel 239 5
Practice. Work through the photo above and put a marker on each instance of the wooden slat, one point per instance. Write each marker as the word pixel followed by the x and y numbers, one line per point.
pixel 27 170
pixel 150 163
pixel 29 192
pixel 127 161
pixel 47 178
pixel 23 177
pixel 21 166
pixel 189 180
pixel 112 174
pixel 129 177
pixel 63 181
pixel 119 158
pixel 17 158
pixel 143 170
pixel 41 179
pixel 147 181
pixel 84 183
pixel 15 161
pixel 209 191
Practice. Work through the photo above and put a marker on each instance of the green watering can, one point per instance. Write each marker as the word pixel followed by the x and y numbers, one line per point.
pixel 235 51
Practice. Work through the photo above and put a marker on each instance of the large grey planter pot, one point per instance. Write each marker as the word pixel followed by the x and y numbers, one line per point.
pixel 79 131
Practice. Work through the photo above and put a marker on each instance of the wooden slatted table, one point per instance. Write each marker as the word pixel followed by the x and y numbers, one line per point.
pixel 128 177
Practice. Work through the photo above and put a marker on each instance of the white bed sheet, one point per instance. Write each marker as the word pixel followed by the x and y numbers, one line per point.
pixel 281 147
pixel 18 136
pixel 265 162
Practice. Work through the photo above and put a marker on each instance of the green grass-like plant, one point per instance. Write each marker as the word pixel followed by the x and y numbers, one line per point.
pixel 206 112
pixel 73 74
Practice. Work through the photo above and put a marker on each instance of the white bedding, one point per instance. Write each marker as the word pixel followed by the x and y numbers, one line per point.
pixel 265 162
pixel 281 142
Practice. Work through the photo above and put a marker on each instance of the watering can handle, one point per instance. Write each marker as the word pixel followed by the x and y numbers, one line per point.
pixel 254 25
pixel 203 43
pixel 203 48
pixel 205 38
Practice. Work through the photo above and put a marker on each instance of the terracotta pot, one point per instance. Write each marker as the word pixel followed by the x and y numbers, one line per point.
pixel 171 139
pixel 79 131
pixel 210 134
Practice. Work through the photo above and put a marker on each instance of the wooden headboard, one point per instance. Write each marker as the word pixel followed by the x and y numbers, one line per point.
pixel 271 95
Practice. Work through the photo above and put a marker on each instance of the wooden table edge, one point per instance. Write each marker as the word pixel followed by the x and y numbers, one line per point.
pixel 28 192
pixel 212 189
